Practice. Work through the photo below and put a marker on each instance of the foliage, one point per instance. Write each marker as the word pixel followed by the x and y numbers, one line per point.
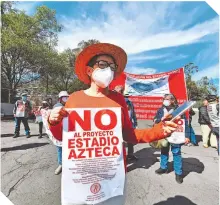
pixel 197 90
pixel 206 86
pixel 26 44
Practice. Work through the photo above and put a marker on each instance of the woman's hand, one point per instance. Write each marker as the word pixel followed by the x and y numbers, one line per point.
pixel 57 115
pixel 169 127
pixel 187 141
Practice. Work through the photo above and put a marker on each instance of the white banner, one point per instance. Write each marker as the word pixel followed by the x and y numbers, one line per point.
pixel 147 87
pixel 92 164
pixel 178 137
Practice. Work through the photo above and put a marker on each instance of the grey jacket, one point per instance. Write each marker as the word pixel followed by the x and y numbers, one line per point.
pixel 203 116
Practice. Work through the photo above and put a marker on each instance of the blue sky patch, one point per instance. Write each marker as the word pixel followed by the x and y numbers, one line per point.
pixel 158 36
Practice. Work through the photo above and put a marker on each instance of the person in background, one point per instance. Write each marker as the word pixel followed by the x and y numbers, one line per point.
pixel 213 112
pixel 21 111
pixel 41 110
pixel 62 99
pixel 50 103
pixel 192 135
pixel 133 119
pixel 170 102
pixel 205 125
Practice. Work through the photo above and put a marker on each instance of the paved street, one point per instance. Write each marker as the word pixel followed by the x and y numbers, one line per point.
pixel 28 173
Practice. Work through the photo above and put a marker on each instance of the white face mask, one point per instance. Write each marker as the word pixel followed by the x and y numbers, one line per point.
pixel 64 99
pixel 103 77
pixel 166 103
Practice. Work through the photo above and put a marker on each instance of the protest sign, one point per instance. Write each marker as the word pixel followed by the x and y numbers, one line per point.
pixel 20 110
pixel 178 137
pixel 38 115
pixel 92 162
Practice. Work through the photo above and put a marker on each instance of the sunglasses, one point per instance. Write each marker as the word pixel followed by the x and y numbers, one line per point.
pixel 104 64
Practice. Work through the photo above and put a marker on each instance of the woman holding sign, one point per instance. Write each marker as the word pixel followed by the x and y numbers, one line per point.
pixel 170 103
pixel 92 127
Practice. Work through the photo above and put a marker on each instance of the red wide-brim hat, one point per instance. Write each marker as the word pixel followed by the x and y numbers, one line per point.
pixel 96 49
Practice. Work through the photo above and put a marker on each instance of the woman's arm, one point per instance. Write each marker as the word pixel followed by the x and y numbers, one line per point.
pixel 135 136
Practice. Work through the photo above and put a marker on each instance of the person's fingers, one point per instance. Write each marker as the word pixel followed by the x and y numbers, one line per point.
pixel 166 133
pixel 170 124
pixel 166 129
pixel 172 128
pixel 63 112
pixel 169 127
pixel 60 117
pixel 57 114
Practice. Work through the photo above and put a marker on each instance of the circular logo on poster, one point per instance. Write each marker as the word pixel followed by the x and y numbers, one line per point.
pixel 95 188
pixel 180 122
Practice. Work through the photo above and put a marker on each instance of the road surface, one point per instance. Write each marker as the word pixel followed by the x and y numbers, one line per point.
pixel 28 173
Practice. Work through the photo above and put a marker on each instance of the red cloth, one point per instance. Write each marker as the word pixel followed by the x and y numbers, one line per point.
pixel 120 80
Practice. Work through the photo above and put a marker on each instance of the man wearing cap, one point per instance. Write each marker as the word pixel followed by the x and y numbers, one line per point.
pixel 213 111
pixel 21 111
pixel 62 99
pixel 97 65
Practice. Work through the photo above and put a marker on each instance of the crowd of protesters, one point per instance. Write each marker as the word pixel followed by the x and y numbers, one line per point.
pixel 208 120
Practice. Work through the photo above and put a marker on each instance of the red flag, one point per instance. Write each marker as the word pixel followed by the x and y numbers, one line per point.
pixel 120 80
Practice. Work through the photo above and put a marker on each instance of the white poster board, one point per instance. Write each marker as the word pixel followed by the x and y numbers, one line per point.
pixel 39 118
pixel 178 137
pixel 20 111
pixel 92 162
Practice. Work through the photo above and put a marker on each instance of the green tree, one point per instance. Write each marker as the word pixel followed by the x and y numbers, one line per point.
pixel 206 87
pixel 192 89
pixel 61 74
pixel 198 89
pixel 25 44
pixel 83 44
